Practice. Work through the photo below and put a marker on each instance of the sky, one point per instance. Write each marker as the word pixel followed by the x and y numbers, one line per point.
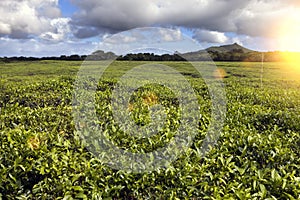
pixel 64 27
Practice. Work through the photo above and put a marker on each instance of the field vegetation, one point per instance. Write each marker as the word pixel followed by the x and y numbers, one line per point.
pixel 256 157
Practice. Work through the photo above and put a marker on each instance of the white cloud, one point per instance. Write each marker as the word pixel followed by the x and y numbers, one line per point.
pixel 5 28
pixel 210 36
pixel 119 39
pixel 21 19
pixel 144 35
pixel 143 39
pixel 36 47
pixel 60 31
pixel 169 35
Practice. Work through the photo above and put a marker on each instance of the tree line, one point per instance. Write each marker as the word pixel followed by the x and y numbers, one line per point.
pixel 230 56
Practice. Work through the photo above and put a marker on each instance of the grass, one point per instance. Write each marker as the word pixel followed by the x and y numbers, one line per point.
pixel 256 157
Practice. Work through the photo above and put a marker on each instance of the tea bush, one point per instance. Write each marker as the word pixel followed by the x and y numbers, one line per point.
pixel 256 157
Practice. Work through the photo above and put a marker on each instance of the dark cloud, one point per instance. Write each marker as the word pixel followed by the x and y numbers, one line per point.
pixel 253 17
pixel 86 32
pixel 117 15
pixel 19 34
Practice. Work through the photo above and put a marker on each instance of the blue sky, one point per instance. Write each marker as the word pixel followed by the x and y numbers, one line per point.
pixel 64 27
pixel 67 8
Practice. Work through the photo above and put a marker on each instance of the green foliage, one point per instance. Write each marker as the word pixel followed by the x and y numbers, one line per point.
pixel 256 157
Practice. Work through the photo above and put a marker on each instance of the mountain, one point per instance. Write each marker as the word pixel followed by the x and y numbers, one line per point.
pixel 230 52
pixel 229 48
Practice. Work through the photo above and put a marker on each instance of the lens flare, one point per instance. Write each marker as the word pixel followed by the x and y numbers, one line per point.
pixel 288 34
pixel 292 60
pixel 288 41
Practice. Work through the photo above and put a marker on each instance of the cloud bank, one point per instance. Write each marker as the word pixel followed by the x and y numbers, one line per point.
pixel 253 18
pixel 208 21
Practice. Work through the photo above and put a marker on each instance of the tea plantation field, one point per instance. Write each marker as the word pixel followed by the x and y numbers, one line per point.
pixel 257 155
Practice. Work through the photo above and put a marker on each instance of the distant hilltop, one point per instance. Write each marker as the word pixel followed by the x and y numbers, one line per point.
pixel 228 48
pixel 237 53
pixel 230 52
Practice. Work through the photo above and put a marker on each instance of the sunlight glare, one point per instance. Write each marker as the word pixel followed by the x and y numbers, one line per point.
pixel 289 41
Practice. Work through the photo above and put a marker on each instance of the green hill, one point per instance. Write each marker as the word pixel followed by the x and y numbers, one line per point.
pixel 230 52
pixel 229 48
